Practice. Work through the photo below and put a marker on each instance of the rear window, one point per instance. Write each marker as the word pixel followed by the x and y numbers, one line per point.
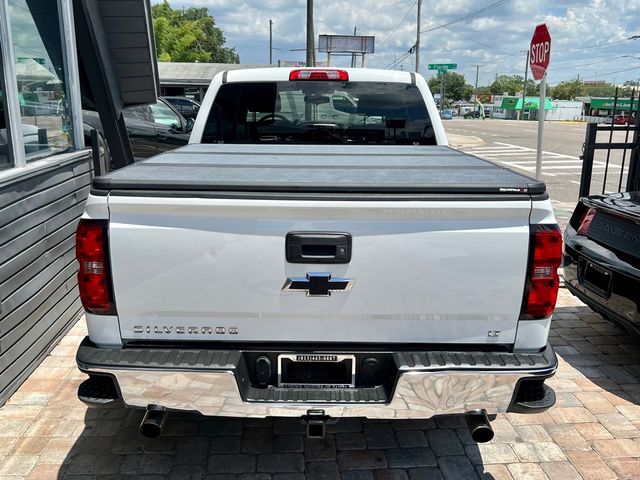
pixel 319 112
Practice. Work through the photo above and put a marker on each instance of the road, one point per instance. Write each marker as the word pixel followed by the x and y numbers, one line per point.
pixel 513 144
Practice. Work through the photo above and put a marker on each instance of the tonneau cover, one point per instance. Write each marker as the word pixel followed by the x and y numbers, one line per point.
pixel 319 168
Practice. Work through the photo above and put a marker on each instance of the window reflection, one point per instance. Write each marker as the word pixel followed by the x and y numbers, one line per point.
pixel 44 105
pixel 5 161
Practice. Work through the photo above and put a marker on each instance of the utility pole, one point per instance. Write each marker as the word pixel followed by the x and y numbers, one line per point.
pixel 353 55
pixel 311 42
pixel 418 37
pixel 524 90
pixel 443 77
pixel 270 42
pixel 475 92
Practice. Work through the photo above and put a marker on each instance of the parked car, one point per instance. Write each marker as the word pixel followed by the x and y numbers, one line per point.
pixel 274 267
pixel 152 129
pixel 187 107
pixel 624 119
pixel 446 114
pixel 476 113
pixel 602 256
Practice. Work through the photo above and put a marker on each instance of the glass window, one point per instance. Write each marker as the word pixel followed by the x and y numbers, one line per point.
pixel 319 112
pixel 44 104
pixel 5 158
pixel 136 113
pixel 164 115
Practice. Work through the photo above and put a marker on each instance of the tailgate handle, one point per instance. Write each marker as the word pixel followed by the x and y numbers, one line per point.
pixel 318 247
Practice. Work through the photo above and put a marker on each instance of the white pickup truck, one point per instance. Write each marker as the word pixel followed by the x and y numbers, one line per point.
pixel 284 264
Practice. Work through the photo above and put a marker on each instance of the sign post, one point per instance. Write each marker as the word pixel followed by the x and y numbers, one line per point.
pixel 442 68
pixel 539 57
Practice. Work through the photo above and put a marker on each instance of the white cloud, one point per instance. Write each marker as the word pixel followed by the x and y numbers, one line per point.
pixel 589 37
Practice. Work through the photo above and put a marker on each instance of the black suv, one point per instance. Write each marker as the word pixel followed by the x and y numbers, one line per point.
pixel 602 256
pixel 187 107
pixel 476 114
pixel 152 129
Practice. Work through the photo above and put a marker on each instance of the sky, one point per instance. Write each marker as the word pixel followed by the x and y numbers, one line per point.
pixel 590 38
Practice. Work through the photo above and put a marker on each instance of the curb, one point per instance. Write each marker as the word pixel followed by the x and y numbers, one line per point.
pixel 464 141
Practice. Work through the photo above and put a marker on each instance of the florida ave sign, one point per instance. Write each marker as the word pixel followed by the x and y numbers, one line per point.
pixel 540 51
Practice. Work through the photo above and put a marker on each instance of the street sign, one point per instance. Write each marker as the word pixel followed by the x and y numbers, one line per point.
pixel 540 51
pixel 539 57
pixel 443 66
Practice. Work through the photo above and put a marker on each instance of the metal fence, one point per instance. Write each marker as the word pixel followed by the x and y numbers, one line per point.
pixel 616 147
pixel 591 119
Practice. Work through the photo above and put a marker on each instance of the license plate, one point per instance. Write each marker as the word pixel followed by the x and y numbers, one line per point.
pixel 596 278
pixel 316 370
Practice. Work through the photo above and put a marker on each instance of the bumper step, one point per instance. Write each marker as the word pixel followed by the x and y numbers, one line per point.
pixel 424 380
pixel 533 397
pixel 99 391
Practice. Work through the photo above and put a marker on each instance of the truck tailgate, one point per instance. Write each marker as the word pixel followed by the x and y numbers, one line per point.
pixel 197 268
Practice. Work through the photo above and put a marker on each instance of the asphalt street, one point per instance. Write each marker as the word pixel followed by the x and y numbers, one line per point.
pixel 513 144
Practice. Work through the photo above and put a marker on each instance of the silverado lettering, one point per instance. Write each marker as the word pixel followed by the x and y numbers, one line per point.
pixel 140 329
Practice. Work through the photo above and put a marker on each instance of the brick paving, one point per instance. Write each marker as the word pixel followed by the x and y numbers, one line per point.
pixel 593 432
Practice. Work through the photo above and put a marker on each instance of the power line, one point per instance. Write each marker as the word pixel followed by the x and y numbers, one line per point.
pixel 398 26
pixel 568 67
pixel 399 60
pixel 467 16
pixel 490 47
pixel 598 46
pixel 618 71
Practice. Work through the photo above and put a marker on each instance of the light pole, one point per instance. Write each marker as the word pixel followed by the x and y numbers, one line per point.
pixel 418 37
pixel 270 42
pixel 311 50
pixel 524 90
pixel 475 91
pixel 353 55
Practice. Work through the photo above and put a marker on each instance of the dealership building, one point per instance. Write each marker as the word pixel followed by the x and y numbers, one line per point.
pixel 45 174
pixel 56 55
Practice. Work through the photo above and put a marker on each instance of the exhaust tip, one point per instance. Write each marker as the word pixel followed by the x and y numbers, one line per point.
pixel 479 426
pixel 150 430
pixel 482 434
pixel 153 421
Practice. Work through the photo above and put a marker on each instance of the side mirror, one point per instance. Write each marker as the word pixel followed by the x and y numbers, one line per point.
pixel 189 126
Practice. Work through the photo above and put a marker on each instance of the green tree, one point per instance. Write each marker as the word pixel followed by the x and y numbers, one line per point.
pixel 455 87
pixel 607 90
pixel 568 90
pixel 512 85
pixel 189 35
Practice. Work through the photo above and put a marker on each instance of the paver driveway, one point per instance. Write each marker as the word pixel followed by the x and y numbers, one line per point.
pixel 593 432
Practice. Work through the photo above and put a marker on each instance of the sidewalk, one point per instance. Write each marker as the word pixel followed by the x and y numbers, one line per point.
pixel 464 141
pixel 592 433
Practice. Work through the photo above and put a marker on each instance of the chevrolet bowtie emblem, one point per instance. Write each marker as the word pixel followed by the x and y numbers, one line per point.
pixel 317 284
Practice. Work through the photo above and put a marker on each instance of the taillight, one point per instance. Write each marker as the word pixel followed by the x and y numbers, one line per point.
pixel 94 279
pixel 319 75
pixel 585 223
pixel 541 291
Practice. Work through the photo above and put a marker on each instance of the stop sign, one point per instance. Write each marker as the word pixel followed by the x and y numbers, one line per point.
pixel 540 51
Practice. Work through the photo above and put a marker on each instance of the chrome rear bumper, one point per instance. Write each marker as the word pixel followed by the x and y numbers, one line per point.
pixel 186 380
